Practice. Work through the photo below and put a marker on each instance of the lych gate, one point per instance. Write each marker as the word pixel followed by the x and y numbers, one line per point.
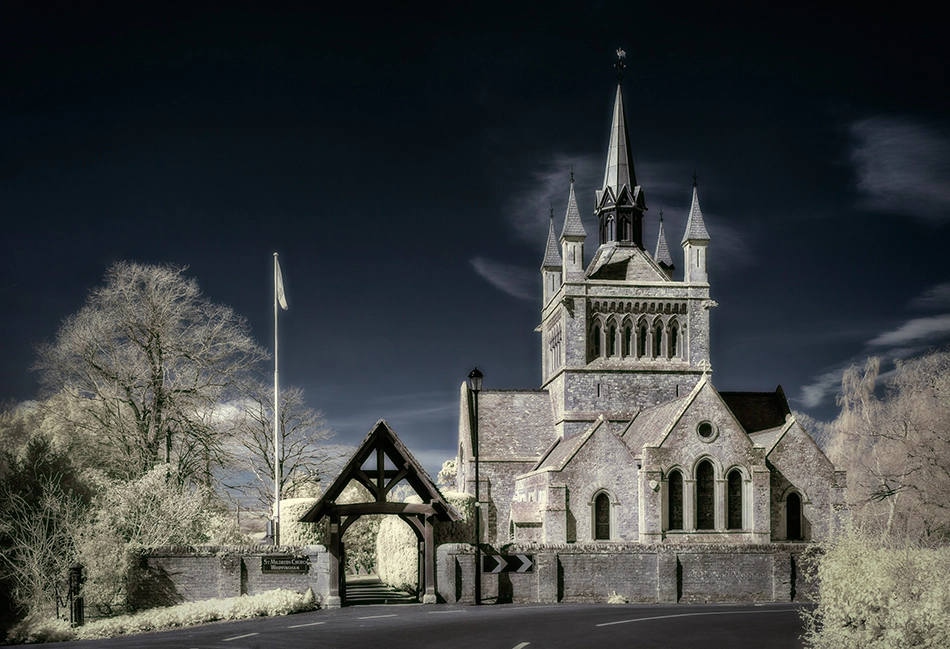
pixel 380 463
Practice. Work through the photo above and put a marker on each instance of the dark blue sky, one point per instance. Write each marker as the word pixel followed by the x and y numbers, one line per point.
pixel 402 162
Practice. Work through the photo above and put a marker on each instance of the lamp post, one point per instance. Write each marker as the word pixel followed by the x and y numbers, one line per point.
pixel 475 383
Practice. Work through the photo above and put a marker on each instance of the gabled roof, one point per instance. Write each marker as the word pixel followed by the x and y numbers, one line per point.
pixel 565 449
pixel 695 226
pixel 552 255
pixel 650 425
pixel 573 226
pixel 627 263
pixel 757 411
pixel 379 444
pixel 515 425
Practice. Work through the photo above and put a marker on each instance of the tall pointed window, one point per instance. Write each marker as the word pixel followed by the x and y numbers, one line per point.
pixel 734 500
pixel 596 341
pixel 627 340
pixel 674 339
pixel 612 343
pixel 676 500
pixel 602 517
pixel 642 340
pixel 705 497
pixel 658 341
pixel 793 517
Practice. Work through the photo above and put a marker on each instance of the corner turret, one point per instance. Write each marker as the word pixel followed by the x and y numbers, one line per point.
pixel 551 266
pixel 573 236
pixel 695 241
pixel 662 254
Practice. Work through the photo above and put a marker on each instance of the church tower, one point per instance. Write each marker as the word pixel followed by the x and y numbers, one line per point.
pixel 621 335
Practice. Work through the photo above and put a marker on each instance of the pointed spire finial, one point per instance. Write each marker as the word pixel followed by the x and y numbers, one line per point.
pixel 620 65
pixel 552 211
pixel 572 174
pixel 694 177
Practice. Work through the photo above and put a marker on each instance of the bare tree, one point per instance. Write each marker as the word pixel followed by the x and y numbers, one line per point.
pixel 145 362
pixel 897 449
pixel 306 458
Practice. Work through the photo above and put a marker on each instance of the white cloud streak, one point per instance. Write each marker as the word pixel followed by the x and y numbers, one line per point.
pixel 918 330
pixel 902 166
pixel 934 297
pixel 514 280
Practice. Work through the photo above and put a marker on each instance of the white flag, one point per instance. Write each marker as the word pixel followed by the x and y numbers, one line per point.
pixel 281 298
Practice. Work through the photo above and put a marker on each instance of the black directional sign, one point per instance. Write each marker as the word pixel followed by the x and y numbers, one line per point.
pixel 494 563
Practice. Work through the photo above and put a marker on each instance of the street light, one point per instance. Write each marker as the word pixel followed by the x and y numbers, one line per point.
pixel 475 382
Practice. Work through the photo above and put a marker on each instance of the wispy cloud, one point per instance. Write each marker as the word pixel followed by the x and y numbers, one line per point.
pixel 815 393
pixel 919 330
pixel 903 166
pixel 514 280
pixel 528 211
pixel 934 297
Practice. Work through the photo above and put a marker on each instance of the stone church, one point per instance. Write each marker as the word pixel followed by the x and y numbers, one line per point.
pixel 628 440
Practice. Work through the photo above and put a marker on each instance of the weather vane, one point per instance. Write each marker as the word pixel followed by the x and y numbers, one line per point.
pixel 620 65
pixel 661 214
pixel 694 177
pixel 552 212
pixel 572 174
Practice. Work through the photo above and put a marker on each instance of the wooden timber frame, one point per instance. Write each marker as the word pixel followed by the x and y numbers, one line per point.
pixel 380 444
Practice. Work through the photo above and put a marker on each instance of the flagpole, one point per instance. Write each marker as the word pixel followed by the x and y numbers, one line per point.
pixel 277 467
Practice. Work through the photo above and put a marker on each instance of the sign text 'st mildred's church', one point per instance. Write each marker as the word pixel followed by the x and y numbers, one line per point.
pixel 628 440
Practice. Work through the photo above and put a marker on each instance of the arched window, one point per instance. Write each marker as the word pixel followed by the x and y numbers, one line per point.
pixel 705 497
pixel 612 343
pixel 734 500
pixel 602 517
pixel 674 340
pixel 627 340
pixel 511 530
pixel 596 341
pixel 676 500
pixel 658 341
pixel 642 341
pixel 793 517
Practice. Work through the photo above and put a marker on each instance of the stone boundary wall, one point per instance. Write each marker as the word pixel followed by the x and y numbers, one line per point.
pixel 639 573
pixel 173 575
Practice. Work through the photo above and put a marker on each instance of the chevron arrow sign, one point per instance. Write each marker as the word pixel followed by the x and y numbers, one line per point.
pixel 495 563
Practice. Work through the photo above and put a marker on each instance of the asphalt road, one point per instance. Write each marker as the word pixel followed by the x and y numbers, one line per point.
pixel 512 626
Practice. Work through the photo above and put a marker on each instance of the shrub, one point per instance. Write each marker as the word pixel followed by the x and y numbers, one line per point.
pixel 876 594
pixel 292 531
pixel 396 555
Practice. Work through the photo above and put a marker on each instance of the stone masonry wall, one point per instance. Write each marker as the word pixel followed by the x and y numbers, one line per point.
pixel 174 575
pixel 639 573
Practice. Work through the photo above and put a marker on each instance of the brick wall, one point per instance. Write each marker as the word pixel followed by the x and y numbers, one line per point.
pixel 168 576
pixel 639 573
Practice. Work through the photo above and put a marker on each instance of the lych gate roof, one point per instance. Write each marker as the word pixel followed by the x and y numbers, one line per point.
pixel 379 445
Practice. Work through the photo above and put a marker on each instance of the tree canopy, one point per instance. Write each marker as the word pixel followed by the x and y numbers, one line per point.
pixel 145 363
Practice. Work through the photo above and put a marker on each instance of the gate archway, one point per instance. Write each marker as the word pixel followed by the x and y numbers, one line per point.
pixel 380 463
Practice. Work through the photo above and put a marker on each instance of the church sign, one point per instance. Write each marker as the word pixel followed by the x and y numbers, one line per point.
pixel 285 564
pixel 495 563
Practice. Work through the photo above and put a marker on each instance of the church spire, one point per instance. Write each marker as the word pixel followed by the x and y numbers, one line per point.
pixel 695 226
pixel 620 203
pixel 662 254
pixel 552 256
pixel 573 226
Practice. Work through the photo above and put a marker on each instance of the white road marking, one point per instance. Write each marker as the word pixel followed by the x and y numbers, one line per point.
pixel 238 637
pixel 370 617
pixel 454 610
pixel 521 646
pixel 297 626
pixel 665 617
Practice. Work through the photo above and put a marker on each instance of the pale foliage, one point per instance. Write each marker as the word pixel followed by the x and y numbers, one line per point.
pixel 876 593
pixel 274 602
pixel 153 511
pixel 292 531
pixel 38 543
pixel 447 475
pixel 896 450
pixel 144 363
pixel 396 544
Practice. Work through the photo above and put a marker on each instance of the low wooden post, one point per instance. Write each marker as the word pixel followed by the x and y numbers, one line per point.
pixel 333 599
pixel 429 570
